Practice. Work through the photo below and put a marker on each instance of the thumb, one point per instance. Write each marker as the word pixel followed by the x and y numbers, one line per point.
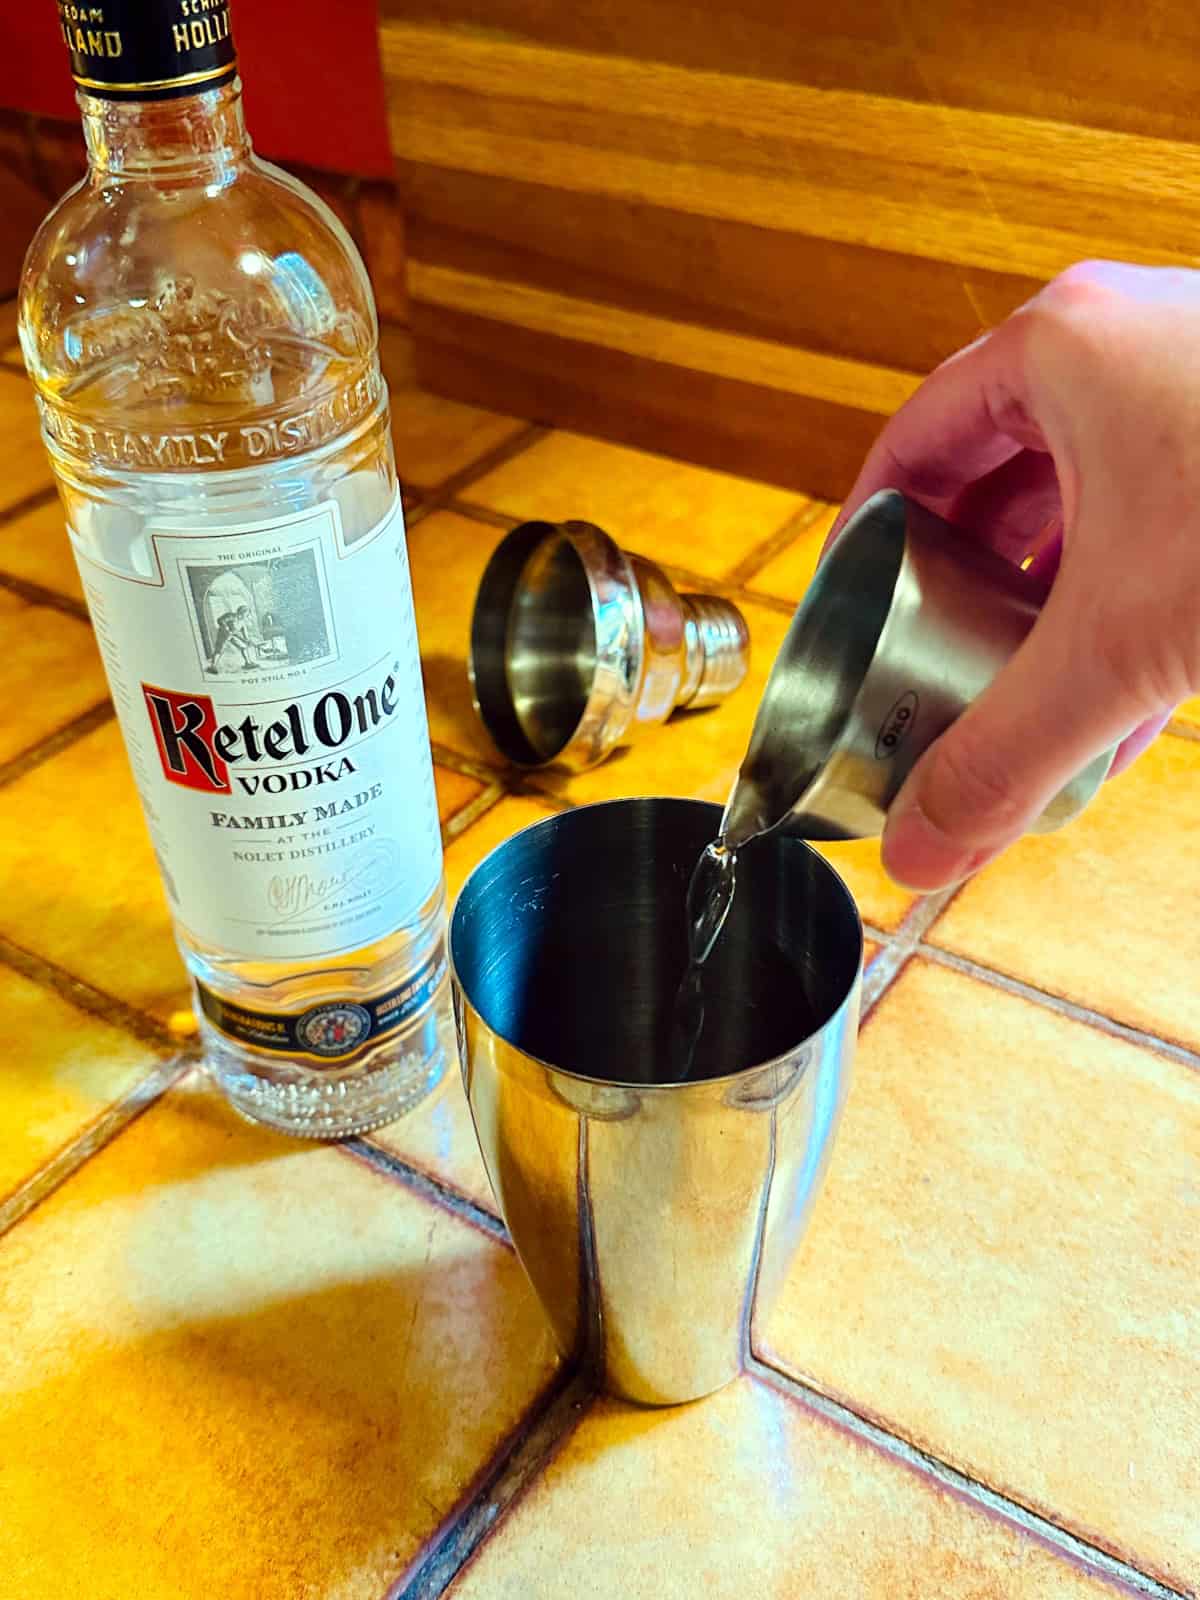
pixel 1053 707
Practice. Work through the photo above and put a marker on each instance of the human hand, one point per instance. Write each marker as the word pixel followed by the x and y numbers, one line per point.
pixel 1070 433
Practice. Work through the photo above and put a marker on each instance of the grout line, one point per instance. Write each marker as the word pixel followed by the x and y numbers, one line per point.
pixel 1065 1008
pixel 36 594
pixel 684 579
pixel 881 975
pixel 516 444
pixel 925 912
pixel 523 437
pixel 466 766
pixel 681 577
pixel 898 948
pixel 1081 1552
pixel 513 781
pixel 85 1145
pixel 530 1450
pixel 438 1193
pixel 472 510
pixel 33 501
pixel 85 997
pixel 466 816
pixel 767 602
pixel 532 788
pixel 776 543
pixel 61 739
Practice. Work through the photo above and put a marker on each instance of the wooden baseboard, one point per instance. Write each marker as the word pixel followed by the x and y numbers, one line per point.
pixel 788 439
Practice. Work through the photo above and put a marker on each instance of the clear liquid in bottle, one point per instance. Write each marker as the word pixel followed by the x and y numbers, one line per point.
pixel 201 335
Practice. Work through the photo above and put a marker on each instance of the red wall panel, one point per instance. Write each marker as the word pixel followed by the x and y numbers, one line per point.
pixel 314 92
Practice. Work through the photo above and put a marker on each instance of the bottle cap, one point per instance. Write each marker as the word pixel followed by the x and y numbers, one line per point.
pixel 148 49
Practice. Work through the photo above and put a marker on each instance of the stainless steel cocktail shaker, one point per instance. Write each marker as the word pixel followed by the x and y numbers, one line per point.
pixel 655 1218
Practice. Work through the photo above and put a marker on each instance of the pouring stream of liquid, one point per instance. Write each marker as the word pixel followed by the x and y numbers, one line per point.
pixel 709 898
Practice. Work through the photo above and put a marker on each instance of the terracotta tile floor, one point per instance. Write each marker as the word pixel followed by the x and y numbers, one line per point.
pixel 750 1494
pixel 240 1366
pixel 51 676
pixel 679 515
pixel 1104 913
pixel 1011 1213
pixel 32 547
pixel 248 1350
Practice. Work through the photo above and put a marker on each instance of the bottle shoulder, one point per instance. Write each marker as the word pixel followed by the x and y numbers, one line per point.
pixel 141 297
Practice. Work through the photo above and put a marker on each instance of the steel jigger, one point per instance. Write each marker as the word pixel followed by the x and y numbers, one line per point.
pixel 906 622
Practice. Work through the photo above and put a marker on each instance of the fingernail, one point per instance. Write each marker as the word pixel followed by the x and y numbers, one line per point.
pixel 919 856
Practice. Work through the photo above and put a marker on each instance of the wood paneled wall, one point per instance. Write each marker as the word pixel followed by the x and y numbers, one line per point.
pixel 41 157
pixel 741 234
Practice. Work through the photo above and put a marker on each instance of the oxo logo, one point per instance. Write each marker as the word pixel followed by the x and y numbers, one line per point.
pixel 184 728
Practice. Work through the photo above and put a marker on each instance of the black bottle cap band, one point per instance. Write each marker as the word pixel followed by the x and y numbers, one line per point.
pixel 148 49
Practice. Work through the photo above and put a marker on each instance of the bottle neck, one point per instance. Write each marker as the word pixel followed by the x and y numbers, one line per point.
pixel 195 135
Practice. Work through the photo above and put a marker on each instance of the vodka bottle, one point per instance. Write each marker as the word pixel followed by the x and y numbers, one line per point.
pixel 202 339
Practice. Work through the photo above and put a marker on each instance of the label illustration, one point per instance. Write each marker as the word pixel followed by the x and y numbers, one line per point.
pixel 268 683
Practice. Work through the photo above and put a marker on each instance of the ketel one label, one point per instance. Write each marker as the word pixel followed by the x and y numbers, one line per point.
pixel 269 689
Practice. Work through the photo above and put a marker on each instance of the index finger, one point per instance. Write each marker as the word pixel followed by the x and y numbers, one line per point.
pixel 969 417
